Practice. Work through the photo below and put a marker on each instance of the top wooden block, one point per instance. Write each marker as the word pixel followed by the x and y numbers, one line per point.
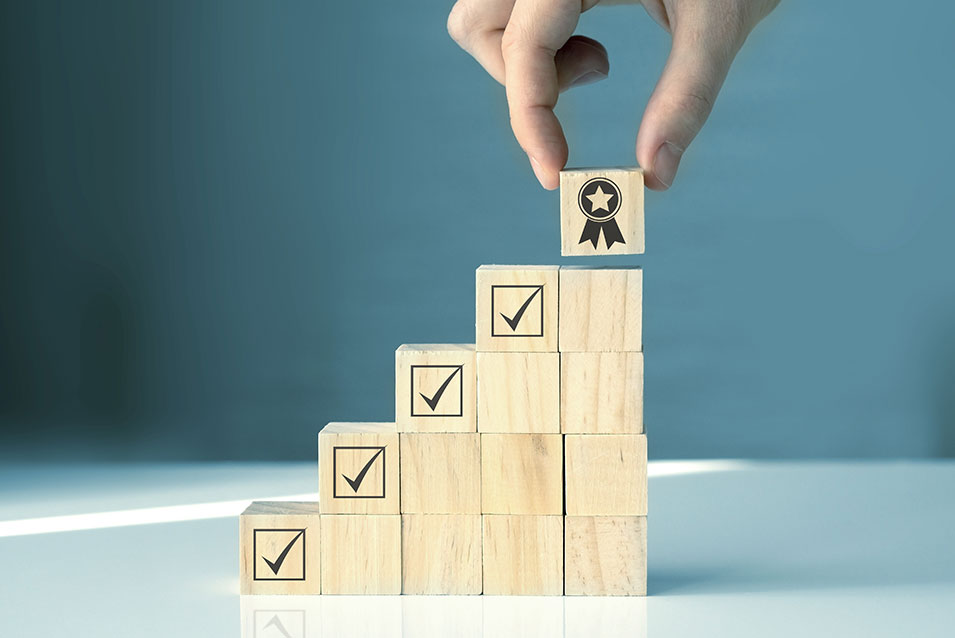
pixel 358 468
pixel 517 308
pixel 601 211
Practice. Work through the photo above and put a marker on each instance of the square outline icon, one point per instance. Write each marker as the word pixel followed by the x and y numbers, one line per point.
pixel 495 287
pixel 255 553
pixel 276 612
pixel 457 368
pixel 384 476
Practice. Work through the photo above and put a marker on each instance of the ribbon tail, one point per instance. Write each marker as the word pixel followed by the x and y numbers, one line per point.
pixel 591 233
pixel 612 233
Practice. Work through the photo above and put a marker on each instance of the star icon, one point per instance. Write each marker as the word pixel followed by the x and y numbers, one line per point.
pixel 599 200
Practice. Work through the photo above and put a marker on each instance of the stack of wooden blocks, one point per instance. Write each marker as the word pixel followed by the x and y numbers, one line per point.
pixel 517 465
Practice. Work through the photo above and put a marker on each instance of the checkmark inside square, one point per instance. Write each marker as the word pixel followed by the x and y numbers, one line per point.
pixel 279 623
pixel 279 554
pixel 437 390
pixel 358 471
pixel 517 311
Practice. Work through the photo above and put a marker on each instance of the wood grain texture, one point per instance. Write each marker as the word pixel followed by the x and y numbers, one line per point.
pixel 266 530
pixel 523 555
pixel 519 392
pixel 628 209
pixel 601 392
pixel 435 388
pixel 605 555
pixel 440 473
pixel 344 451
pixel 517 308
pixel 441 554
pixel 361 554
pixel 606 474
pixel 522 474
pixel 601 309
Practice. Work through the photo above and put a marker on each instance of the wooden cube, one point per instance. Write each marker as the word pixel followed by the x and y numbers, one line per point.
pixel 440 473
pixel 522 474
pixel 601 309
pixel 361 554
pixel 601 392
pixel 517 308
pixel 441 554
pixel 606 474
pixel 435 388
pixel 523 555
pixel 358 468
pixel 279 548
pixel 601 211
pixel 519 392
pixel 605 555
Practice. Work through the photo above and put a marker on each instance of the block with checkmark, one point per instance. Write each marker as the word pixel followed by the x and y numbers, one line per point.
pixel 440 473
pixel 361 554
pixel 519 392
pixel 279 548
pixel 522 474
pixel 441 554
pixel 601 392
pixel 358 468
pixel 601 309
pixel 523 555
pixel 606 474
pixel 517 308
pixel 601 211
pixel 435 388
pixel 605 555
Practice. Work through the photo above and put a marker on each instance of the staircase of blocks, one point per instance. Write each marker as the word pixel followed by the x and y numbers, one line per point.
pixel 516 465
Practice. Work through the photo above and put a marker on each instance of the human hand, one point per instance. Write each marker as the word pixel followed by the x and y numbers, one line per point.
pixel 529 46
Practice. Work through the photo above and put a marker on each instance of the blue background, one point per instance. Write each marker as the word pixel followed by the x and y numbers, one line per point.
pixel 220 219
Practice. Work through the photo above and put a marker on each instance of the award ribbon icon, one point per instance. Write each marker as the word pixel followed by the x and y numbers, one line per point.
pixel 599 201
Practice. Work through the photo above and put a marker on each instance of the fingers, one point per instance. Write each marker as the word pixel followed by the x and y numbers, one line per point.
pixel 477 26
pixel 581 61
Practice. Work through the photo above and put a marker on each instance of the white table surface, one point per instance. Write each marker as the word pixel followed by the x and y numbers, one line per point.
pixel 735 549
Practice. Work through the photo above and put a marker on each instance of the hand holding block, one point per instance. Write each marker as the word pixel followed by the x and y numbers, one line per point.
pixel 519 392
pixel 606 474
pixel 279 545
pixel 601 309
pixel 517 308
pixel 361 554
pixel 605 555
pixel 435 388
pixel 601 211
pixel 601 392
pixel 522 474
pixel 440 473
pixel 523 555
pixel 358 468
pixel 441 554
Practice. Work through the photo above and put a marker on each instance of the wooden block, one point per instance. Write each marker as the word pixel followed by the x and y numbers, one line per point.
pixel 522 474
pixel 517 308
pixel 358 468
pixel 523 555
pixel 435 388
pixel 601 392
pixel 361 554
pixel 601 309
pixel 441 554
pixel 606 474
pixel 440 473
pixel 279 548
pixel 519 392
pixel 605 555
pixel 601 211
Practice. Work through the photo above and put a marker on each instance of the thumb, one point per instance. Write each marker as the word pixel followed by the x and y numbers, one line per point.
pixel 703 49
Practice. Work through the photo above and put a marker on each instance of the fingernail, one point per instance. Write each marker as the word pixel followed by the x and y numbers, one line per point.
pixel 665 163
pixel 589 78
pixel 539 172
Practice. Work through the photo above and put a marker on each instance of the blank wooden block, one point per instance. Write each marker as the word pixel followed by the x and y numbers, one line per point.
pixel 279 548
pixel 522 474
pixel 440 473
pixel 601 309
pixel 441 554
pixel 605 555
pixel 517 308
pixel 361 554
pixel 519 392
pixel 435 388
pixel 601 211
pixel 606 474
pixel 358 468
pixel 523 555
pixel 601 392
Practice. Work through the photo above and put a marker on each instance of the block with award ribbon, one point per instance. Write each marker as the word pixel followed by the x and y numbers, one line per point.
pixel 601 211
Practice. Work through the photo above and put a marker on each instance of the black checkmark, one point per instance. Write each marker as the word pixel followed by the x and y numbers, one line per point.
pixel 356 483
pixel 512 322
pixel 433 401
pixel 277 565
pixel 278 626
